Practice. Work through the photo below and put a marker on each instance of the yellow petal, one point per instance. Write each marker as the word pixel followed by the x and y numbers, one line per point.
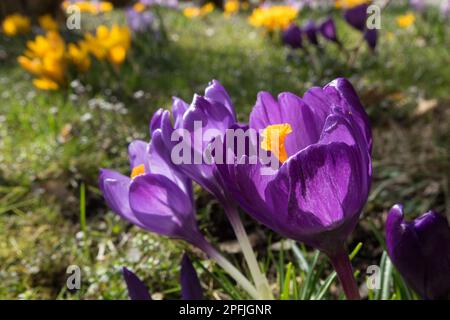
pixel 117 55
pixel 45 84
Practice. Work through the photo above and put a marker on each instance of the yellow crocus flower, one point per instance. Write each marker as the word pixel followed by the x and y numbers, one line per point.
pixel 406 20
pixel 111 44
pixel 16 24
pixel 47 22
pixel 273 18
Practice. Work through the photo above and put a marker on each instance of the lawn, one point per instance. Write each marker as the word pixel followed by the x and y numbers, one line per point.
pixel 52 145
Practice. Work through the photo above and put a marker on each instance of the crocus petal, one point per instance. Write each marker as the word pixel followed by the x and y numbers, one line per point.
pixel 216 92
pixel 137 154
pixel 311 32
pixel 155 122
pixel 115 188
pixel 292 36
pixel 341 93
pixel 328 30
pixel 420 250
pixel 190 284
pixel 371 37
pixel 356 16
pixel 162 207
pixel 323 180
pixel 137 290
pixel 179 108
pixel 161 163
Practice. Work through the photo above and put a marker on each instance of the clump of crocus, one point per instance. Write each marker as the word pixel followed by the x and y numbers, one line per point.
pixel 273 18
pixel 292 36
pixel 45 58
pixel 420 250
pixel 191 288
pixel 111 44
pixel 406 20
pixel 323 144
pixel 92 7
pixel 195 12
pixel 48 23
pixel 16 24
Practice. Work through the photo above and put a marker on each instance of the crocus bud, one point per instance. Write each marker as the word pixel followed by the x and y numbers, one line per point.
pixel 311 32
pixel 292 36
pixel 137 290
pixel 371 37
pixel 328 30
pixel 190 285
pixel 356 16
pixel 420 250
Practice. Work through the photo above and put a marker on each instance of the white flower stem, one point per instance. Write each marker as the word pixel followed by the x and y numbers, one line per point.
pixel 229 268
pixel 260 280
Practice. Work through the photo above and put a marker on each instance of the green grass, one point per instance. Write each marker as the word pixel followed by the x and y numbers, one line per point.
pixel 52 145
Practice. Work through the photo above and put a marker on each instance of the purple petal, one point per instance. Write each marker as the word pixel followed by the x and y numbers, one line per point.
pixel 137 290
pixel 115 189
pixel 371 37
pixel 356 16
pixel 216 92
pixel 341 93
pixel 190 285
pixel 292 36
pixel 161 163
pixel 162 207
pixel 420 250
pixel 328 30
pixel 179 108
pixel 137 154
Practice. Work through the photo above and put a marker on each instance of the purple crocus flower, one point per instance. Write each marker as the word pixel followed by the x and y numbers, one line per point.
pixel 317 194
pixel 420 250
pixel 191 288
pixel 371 37
pixel 310 30
pixel 137 290
pixel 328 30
pixel 357 16
pixel 157 197
pixel 139 21
pixel 292 36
